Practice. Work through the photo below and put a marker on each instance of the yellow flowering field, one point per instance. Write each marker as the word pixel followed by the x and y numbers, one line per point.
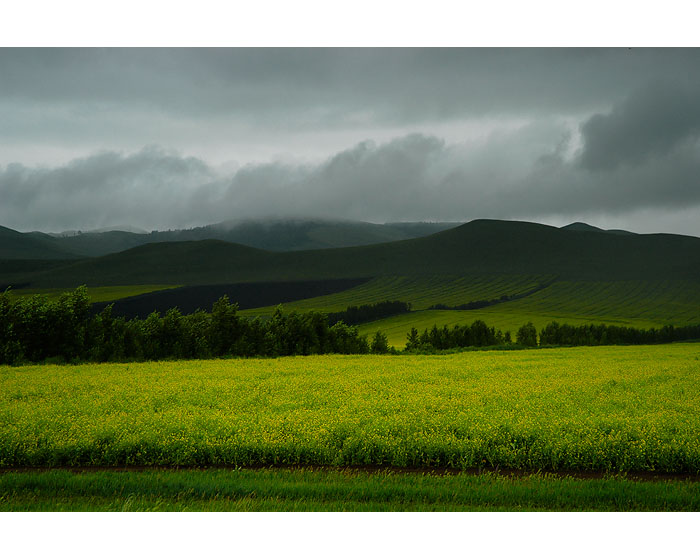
pixel 603 408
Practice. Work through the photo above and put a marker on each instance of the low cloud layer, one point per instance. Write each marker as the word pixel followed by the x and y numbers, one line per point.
pixel 528 173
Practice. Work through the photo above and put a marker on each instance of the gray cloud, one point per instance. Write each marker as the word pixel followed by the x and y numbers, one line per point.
pixel 149 186
pixel 390 134
pixel 335 83
pixel 208 101
pixel 415 177
pixel 651 122
pixel 668 182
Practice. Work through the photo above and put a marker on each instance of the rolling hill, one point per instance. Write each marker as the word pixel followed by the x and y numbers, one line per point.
pixel 481 247
pixel 573 275
pixel 31 246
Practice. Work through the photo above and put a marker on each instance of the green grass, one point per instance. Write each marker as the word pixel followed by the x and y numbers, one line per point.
pixel 420 291
pixel 641 304
pixel 97 293
pixel 613 409
pixel 639 301
pixel 328 490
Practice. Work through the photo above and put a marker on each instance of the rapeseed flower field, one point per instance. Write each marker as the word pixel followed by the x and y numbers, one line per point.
pixel 610 409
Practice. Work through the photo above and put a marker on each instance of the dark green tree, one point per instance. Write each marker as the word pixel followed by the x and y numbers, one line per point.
pixel 380 343
pixel 225 327
pixel 527 335
pixel 412 340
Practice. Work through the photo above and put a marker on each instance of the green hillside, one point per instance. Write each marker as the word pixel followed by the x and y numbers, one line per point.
pixel 25 246
pixel 420 291
pixel 639 303
pixel 14 272
pixel 646 301
pixel 192 262
pixel 481 247
pixel 566 275
pixel 660 301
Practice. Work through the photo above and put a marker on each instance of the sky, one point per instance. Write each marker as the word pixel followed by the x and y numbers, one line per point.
pixel 174 138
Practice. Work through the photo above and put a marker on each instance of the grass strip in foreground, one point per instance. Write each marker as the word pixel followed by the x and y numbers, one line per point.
pixel 333 490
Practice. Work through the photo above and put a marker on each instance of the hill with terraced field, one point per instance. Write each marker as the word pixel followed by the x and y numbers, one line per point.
pixel 523 271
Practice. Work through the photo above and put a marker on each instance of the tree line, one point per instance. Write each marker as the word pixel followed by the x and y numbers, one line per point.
pixel 459 336
pixel 354 315
pixel 481 303
pixel 36 329
pixel 478 334
pixel 555 334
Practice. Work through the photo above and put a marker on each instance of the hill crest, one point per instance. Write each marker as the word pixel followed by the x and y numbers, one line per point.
pixel 477 247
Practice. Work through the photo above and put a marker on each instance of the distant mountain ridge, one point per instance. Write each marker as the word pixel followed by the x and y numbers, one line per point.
pixel 480 247
pixel 74 232
pixel 272 235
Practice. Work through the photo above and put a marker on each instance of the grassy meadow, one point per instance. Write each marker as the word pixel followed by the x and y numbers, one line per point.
pixel 421 291
pixel 309 489
pixel 604 409
pixel 633 303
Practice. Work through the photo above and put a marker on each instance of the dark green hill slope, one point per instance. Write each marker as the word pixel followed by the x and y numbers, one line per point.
pixel 479 247
pixel 26 246
pixel 96 244
pixel 581 226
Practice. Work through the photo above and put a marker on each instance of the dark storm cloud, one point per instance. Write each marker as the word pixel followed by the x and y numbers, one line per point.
pixel 666 182
pixel 337 84
pixel 651 122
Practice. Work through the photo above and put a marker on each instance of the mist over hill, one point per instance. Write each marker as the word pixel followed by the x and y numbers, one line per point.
pixel 270 234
